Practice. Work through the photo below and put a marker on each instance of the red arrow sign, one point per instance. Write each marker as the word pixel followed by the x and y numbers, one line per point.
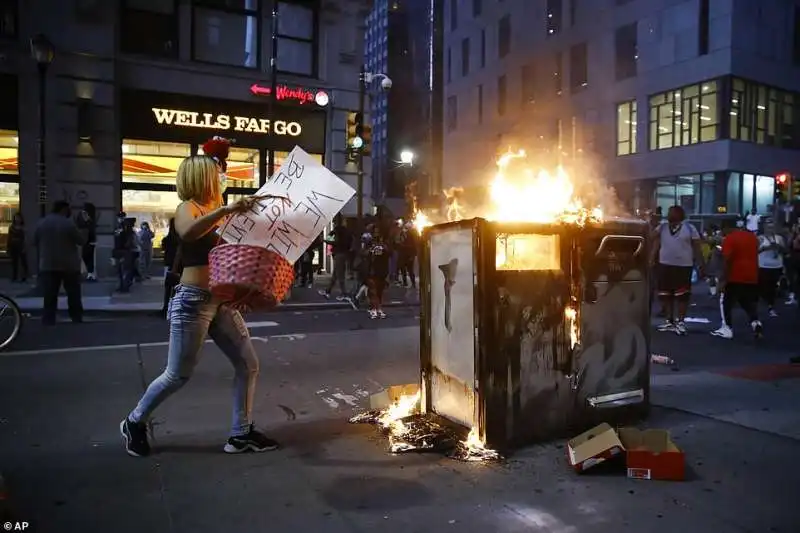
pixel 259 90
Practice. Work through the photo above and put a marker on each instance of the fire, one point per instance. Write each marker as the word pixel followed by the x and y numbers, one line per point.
pixel 572 319
pixel 421 221
pixel 455 210
pixel 476 448
pixel 391 418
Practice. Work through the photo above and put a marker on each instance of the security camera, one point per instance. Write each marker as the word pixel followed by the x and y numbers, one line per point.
pixel 386 84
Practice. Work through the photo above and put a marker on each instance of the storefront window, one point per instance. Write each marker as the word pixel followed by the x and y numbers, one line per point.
pixel 9 182
pixel 688 193
pixel 765 193
pixel 708 194
pixel 153 207
pixel 281 156
pixel 734 199
pixel 665 194
pixel 242 168
pixel 152 162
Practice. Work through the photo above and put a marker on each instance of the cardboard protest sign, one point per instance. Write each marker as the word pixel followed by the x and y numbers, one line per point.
pixel 312 196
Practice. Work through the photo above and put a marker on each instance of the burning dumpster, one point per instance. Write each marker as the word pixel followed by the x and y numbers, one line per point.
pixel 530 331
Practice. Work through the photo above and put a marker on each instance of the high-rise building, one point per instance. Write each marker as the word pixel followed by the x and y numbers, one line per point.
pixel 692 102
pixel 135 86
pixel 400 44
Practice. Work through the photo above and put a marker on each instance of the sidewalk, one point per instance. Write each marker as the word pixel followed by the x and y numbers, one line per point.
pixel 67 471
pixel 100 296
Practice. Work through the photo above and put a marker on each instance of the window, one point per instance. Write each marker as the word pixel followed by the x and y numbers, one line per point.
pixel 626 128
pixel 465 56
pixel 504 36
pixel 449 65
pixel 161 20
pixel 9 16
pixel 626 51
pixel 685 116
pixel 243 168
pixel 528 84
pixel 483 48
pixel 477 8
pixel 554 12
pixel 223 35
pixel 9 183
pixel 703 27
pixel 298 37
pixel 480 104
pixel 152 162
pixel 502 95
pixel 796 37
pixel 558 61
pixel 452 113
pixel 762 115
pixel 453 14
pixel 578 67
pixel 708 193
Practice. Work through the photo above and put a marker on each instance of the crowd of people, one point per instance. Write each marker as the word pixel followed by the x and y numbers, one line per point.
pixel 743 260
pixel 383 254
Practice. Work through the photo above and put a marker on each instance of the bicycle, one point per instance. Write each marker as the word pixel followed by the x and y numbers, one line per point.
pixel 10 314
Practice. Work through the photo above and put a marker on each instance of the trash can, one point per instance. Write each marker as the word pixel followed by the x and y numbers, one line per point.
pixel 532 331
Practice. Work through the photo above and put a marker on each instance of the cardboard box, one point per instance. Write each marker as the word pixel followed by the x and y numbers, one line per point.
pixel 388 396
pixel 593 447
pixel 651 454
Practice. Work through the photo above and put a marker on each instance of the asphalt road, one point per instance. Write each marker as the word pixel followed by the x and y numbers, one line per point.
pixel 111 330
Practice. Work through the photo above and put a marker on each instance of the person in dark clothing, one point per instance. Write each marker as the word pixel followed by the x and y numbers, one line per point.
pixel 17 249
pixel 306 273
pixel 377 256
pixel 57 240
pixel 88 223
pixel 170 244
pixel 407 255
pixel 341 251
pixel 125 254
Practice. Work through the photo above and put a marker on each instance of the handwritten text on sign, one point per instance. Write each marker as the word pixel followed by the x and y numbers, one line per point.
pixel 312 196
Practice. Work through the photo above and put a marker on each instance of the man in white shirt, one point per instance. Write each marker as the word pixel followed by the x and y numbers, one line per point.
pixel 752 221
pixel 771 248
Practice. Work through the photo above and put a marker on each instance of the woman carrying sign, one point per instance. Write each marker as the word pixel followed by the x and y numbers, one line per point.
pixel 193 312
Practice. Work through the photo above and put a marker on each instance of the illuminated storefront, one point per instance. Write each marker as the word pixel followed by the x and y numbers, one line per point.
pixel 9 156
pixel 158 130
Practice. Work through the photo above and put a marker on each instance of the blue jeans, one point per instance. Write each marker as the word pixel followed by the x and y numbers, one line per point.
pixel 193 313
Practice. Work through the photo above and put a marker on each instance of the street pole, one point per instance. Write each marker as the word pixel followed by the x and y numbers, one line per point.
pixel 362 96
pixel 273 84
pixel 41 156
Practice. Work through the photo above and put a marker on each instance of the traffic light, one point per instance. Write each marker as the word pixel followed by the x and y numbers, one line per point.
pixel 366 136
pixel 795 188
pixel 783 187
pixel 355 140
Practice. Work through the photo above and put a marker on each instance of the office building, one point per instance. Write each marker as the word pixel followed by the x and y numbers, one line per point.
pixel 689 102
pixel 399 43
pixel 135 86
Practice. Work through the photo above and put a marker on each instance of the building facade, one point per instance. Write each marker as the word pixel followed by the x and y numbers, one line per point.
pixel 689 102
pixel 400 44
pixel 135 86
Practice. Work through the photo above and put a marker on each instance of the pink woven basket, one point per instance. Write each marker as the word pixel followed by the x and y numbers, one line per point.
pixel 249 278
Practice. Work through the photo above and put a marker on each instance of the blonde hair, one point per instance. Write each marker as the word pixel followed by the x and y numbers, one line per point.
pixel 198 180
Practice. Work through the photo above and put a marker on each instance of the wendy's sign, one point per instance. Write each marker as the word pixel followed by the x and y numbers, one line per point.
pixel 169 117
pixel 297 95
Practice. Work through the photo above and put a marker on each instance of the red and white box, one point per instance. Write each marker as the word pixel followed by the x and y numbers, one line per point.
pixel 594 447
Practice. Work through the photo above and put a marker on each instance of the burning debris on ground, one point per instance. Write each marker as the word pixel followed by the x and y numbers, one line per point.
pixel 410 431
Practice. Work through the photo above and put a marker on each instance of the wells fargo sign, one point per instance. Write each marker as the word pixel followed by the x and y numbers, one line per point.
pixel 212 121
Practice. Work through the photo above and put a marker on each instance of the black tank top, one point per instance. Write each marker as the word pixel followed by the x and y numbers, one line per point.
pixel 195 253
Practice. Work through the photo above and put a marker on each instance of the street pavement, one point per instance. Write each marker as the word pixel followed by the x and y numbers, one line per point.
pixel 730 405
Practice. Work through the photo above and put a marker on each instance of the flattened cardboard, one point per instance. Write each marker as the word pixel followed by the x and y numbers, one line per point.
pixel 651 454
pixel 389 395
pixel 593 447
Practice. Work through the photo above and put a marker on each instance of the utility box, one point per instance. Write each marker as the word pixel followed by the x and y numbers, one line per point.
pixel 534 331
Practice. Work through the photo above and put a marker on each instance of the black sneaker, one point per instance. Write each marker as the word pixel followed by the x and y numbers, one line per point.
pixel 135 436
pixel 253 441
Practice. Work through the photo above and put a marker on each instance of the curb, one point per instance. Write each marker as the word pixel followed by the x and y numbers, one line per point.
pixel 287 307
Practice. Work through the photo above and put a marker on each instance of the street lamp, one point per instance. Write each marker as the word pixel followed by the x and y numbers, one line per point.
pixel 365 80
pixel 407 157
pixel 42 51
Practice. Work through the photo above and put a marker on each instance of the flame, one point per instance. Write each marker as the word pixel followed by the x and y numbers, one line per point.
pixel 572 319
pixel 455 210
pixel 476 447
pixel 391 418
pixel 421 221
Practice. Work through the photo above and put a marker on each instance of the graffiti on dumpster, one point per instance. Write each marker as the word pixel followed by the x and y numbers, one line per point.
pixel 449 272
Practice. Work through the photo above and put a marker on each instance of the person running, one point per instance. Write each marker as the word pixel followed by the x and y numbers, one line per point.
pixel 676 249
pixel 195 312
pixel 771 248
pixel 739 281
